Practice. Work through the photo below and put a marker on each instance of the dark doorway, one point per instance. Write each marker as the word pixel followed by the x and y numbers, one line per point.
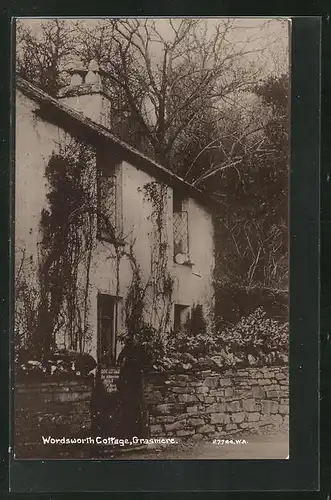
pixel 106 330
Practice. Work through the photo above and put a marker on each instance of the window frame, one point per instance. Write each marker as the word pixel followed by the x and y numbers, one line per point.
pixel 181 308
pixel 180 201
pixel 108 169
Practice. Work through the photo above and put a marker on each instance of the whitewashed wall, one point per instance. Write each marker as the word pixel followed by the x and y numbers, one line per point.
pixel 35 142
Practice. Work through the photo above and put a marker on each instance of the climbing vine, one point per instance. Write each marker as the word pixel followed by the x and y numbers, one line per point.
pixel 68 235
pixel 161 281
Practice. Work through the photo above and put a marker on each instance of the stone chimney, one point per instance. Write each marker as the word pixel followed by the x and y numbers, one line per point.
pixel 86 93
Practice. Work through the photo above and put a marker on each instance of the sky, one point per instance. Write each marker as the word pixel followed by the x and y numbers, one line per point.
pixel 254 33
pixel 265 42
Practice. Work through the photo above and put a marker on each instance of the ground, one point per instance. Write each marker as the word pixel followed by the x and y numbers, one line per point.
pixel 273 446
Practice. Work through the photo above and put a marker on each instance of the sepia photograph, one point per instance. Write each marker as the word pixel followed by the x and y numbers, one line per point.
pixel 151 238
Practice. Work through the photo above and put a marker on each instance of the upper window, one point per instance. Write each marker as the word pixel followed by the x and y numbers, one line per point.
pixel 108 204
pixel 180 229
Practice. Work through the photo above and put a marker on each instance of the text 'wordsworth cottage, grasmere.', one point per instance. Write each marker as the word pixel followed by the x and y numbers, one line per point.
pixel 129 222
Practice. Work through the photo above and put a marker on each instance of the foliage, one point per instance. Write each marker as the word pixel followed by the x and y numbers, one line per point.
pixel 192 340
pixel 255 340
pixel 160 281
pixel 148 303
pixel 185 93
pixel 68 234
pixel 62 365
pixel 197 322
pixel 252 226
pixel 147 315
pixel 27 298
pixel 234 302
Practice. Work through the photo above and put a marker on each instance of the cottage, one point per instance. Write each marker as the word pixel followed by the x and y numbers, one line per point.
pixel 145 223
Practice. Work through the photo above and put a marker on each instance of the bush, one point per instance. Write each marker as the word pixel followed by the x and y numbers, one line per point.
pixel 61 364
pixel 144 346
pixel 255 340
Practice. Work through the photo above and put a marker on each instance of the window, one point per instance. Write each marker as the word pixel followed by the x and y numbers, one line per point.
pixel 109 199
pixel 180 230
pixel 106 330
pixel 107 205
pixel 181 316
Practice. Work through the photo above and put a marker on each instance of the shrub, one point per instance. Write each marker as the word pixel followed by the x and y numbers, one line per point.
pixel 255 340
pixel 61 364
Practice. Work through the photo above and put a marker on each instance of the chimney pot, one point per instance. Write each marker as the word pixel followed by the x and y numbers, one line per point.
pixel 86 94
pixel 93 66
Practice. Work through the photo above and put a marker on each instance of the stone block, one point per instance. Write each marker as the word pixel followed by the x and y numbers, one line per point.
pixel 258 392
pixel 230 427
pixel 206 429
pixel 185 433
pixel 219 418
pixel 209 399
pixel 211 382
pixel 265 381
pixel 237 418
pixel 224 382
pixel 266 419
pixel 179 390
pixel 163 409
pixel 175 426
pixel 228 392
pixel 187 398
pixel 283 409
pixel 269 406
pixel 192 409
pixel 233 406
pixel 253 417
pixel 269 374
pixel 166 419
pixel 195 422
pixel 216 408
pixel 273 394
pixel 183 377
pixel 249 405
pixel 280 376
pixel 202 390
pixel 284 401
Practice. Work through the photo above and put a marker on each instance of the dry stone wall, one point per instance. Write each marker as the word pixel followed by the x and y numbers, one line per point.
pixel 53 409
pixel 209 403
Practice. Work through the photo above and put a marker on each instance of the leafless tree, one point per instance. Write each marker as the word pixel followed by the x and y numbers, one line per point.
pixel 172 73
pixel 41 54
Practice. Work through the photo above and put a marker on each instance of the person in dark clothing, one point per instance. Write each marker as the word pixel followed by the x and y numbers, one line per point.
pixel 129 418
